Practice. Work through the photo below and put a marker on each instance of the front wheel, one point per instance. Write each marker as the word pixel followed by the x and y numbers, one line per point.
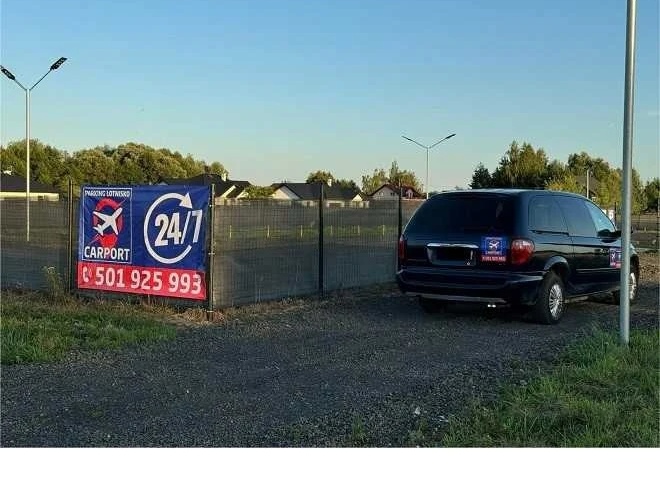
pixel 549 307
pixel 633 281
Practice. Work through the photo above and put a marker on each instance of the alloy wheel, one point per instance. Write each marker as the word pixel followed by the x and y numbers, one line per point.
pixel 556 300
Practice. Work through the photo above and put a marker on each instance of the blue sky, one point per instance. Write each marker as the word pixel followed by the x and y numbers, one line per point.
pixel 276 89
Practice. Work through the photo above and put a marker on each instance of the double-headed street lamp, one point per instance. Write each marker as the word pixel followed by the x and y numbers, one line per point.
pixel 27 91
pixel 427 156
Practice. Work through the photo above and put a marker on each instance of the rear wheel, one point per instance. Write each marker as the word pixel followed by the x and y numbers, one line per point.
pixel 549 307
pixel 431 306
pixel 633 280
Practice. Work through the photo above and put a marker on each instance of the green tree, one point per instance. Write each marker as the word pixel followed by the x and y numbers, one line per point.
pixel 254 192
pixel 46 162
pixel 521 167
pixel 217 168
pixel 579 163
pixel 320 176
pixel 394 176
pixel 481 178
pixel 403 177
pixel 346 183
pixel 372 182
pixel 566 182
pixel 652 194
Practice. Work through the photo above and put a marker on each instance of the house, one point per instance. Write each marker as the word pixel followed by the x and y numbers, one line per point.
pixel 391 192
pixel 224 188
pixel 310 192
pixel 13 186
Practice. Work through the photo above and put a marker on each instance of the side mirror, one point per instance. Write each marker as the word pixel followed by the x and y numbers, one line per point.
pixel 606 233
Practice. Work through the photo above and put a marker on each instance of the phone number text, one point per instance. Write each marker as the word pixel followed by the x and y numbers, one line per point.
pixel 188 284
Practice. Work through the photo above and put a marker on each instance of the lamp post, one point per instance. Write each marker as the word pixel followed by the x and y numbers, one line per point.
pixel 27 91
pixel 428 148
pixel 588 174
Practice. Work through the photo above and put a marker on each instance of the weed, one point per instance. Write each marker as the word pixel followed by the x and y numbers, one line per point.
pixel 358 432
pixel 54 283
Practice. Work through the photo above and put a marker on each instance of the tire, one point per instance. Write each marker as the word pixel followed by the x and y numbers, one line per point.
pixel 551 302
pixel 431 306
pixel 634 286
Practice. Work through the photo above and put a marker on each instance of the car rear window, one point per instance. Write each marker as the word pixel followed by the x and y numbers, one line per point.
pixel 464 213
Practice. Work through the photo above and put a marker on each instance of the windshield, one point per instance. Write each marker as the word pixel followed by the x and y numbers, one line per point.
pixel 464 213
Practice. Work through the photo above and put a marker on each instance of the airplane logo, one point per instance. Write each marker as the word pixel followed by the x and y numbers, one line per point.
pixel 493 245
pixel 109 220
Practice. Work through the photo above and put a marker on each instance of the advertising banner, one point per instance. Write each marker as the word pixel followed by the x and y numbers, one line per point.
pixel 143 239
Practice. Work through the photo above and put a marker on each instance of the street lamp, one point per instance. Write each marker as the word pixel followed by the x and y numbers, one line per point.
pixel 588 174
pixel 427 156
pixel 27 91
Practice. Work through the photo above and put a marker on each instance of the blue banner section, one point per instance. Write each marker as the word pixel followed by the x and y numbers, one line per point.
pixel 147 226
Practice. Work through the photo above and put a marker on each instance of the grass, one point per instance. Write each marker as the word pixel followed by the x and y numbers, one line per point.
pixel 600 394
pixel 45 326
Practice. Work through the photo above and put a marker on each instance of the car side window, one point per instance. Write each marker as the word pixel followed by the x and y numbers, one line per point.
pixel 545 215
pixel 577 217
pixel 600 219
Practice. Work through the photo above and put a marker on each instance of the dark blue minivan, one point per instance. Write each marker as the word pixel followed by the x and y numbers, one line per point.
pixel 521 247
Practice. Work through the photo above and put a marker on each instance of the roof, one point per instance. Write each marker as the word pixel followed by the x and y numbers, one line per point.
pixel 511 192
pixel 13 183
pixel 395 188
pixel 221 186
pixel 311 191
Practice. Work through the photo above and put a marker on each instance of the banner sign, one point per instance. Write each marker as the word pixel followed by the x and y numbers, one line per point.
pixel 493 249
pixel 143 239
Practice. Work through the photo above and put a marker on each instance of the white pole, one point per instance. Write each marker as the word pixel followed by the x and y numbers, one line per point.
pixel 588 171
pixel 629 102
pixel 427 173
pixel 27 164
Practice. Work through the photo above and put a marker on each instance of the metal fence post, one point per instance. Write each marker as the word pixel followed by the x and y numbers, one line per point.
pixel 69 248
pixel 210 285
pixel 321 259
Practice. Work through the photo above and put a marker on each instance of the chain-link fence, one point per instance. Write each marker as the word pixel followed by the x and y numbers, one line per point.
pixel 22 262
pixel 264 249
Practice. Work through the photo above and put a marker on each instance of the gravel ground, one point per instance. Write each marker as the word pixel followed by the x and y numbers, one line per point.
pixel 359 368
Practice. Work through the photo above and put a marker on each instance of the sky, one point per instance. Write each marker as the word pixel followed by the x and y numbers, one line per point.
pixel 277 89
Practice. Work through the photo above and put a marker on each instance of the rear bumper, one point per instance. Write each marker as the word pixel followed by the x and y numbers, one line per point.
pixel 470 286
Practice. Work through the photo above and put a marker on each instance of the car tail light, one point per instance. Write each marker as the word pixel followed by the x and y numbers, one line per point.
pixel 521 251
pixel 402 249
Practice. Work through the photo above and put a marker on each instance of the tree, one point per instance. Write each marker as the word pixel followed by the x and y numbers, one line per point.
pixel 481 178
pixel 346 183
pixel 395 176
pixel 598 168
pixel 254 192
pixel 521 167
pixel 567 183
pixel 372 182
pixel 403 177
pixel 652 194
pixel 320 176
pixel 46 162
pixel 217 168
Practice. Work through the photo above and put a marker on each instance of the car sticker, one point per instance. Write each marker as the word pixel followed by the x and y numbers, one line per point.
pixel 493 248
pixel 615 258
